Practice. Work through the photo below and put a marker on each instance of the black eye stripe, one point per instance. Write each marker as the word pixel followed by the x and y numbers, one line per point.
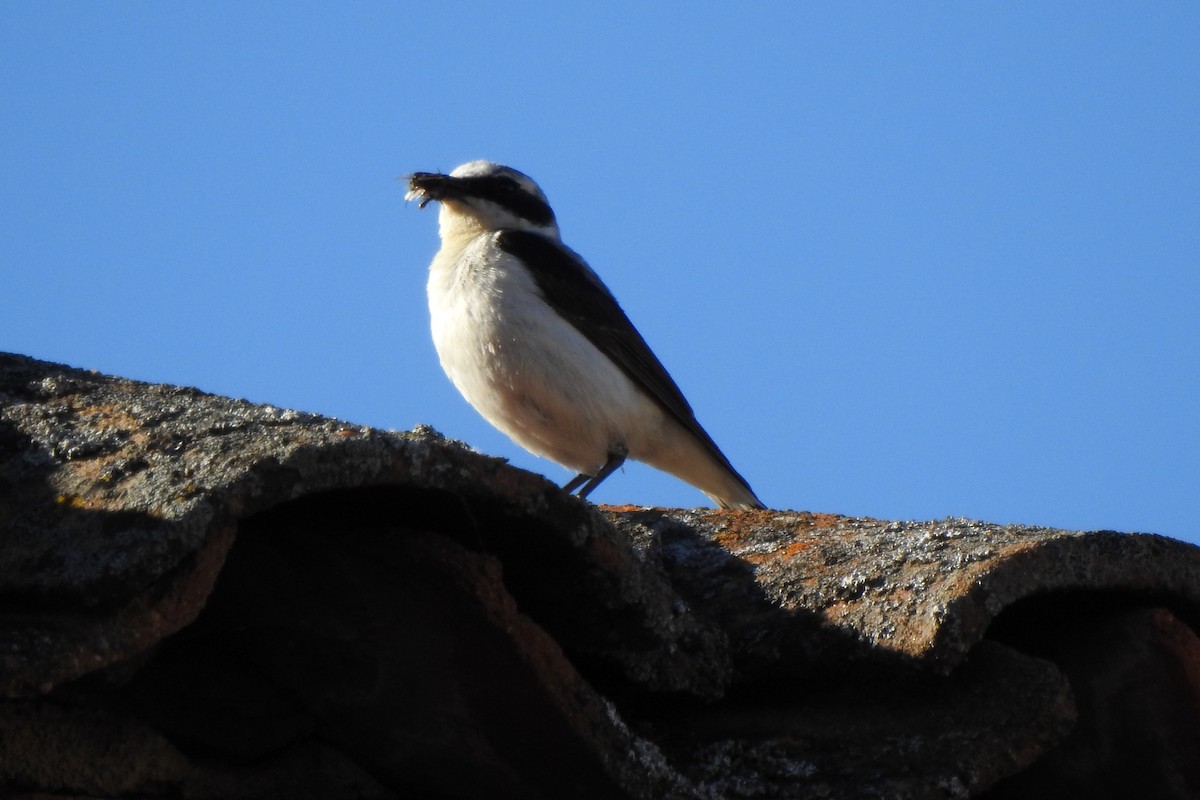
pixel 508 194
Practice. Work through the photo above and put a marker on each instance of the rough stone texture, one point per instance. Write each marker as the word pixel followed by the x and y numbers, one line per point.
pixel 123 497
pixel 796 590
pixel 201 597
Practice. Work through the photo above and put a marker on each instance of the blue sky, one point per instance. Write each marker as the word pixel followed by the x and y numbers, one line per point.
pixel 906 260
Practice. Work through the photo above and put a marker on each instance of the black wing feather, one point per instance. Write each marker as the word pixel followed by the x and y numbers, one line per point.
pixel 570 286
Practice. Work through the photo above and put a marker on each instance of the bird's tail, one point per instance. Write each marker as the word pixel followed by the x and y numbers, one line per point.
pixel 739 495
pixel 700 463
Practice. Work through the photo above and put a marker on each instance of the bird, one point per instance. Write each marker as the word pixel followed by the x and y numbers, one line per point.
pixel 534 340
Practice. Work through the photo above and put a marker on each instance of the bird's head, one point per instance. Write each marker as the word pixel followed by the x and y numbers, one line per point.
pixel 481 196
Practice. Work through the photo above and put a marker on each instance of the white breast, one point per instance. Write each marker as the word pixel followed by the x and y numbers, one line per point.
pixel 524 368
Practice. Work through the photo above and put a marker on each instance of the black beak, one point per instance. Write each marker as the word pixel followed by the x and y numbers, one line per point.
pixel 429 186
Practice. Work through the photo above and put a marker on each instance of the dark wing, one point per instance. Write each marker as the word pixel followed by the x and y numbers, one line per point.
pixel 570 286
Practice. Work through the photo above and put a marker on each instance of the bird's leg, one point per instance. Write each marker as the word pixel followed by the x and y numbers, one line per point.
pixel 575 482
pixel 590 482
pixel 615 460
